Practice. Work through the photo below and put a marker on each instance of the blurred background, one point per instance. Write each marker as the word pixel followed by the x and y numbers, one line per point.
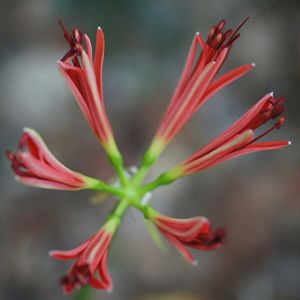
pixel 255 197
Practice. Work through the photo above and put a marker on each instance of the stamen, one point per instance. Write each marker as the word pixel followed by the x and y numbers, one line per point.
pixel 77 34
pixel 9 154
pixel 227 34
pixel 280 122
pixel 211 33
pixel 67 35
pixel 219 40
pixel 277 125
pixel 221 25
pixel 236 35
pixel 75 43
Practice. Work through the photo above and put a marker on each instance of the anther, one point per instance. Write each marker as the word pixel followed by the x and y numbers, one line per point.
pixel 77 35
pixel 280 122
pixel 221 25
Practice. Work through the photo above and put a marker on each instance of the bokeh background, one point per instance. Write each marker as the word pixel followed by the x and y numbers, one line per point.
pixel 256 197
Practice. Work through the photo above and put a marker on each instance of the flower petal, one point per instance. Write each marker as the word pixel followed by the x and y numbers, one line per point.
pixel 98 61
pixel 226 79
pixel 69 254
pixel 180 247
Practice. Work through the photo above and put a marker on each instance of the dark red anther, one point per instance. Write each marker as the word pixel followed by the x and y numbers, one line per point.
pixel 211 33
pixel 77 35
pixel 219 236
pixel 219 40
pixel 280 122
pixel 10 155
pixel 221 25
pixel 278 107
pixel 227 34
pixel 75 42
pixel 80 279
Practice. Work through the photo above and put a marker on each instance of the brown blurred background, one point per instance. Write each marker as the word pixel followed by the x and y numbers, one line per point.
pixel 256 197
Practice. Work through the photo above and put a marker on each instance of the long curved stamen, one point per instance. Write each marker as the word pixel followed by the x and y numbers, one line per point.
pixel 277 125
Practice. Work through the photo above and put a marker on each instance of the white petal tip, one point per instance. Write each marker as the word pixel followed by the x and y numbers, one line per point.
pixel 29 130
pixel 271 94
pixel 289 143
pixel 99 28
pixel 253 64
pixel 17 178
pixel 197 33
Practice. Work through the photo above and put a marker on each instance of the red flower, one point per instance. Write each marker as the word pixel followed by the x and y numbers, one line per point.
pixel 197 83
pixel 38 167
pixel 84 77
pixel 90 267
pixel 194 233
pixel 239 139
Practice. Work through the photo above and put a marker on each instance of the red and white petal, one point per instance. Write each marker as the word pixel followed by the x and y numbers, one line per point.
pixel 99 59
pixel 180 247
pixel 69 254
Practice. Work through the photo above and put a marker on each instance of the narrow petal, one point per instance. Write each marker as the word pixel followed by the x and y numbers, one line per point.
pixel 210 241
pixel 104 280
pixel 237 127
pixel 89 48
pixel 76 92
pixel 34 164
pixel 184 109
pixel 204 54
pixel 45 152
pixel 256 147
pixel 183 229
pixel 45 171
pixel 225 80
pixel 99 253
pixel 102 119
pixel 69 254
pixel 180 247
pixel 46 184
pixel 186 74
pixel 203 162
pixel 99 58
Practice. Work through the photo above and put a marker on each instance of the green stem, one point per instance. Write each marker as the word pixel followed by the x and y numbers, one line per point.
pixel 163 179
pixel 103 187
pixel 140 175
pixel 150 158
pixel 120 209
pixel 116 160
pixel 122 174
